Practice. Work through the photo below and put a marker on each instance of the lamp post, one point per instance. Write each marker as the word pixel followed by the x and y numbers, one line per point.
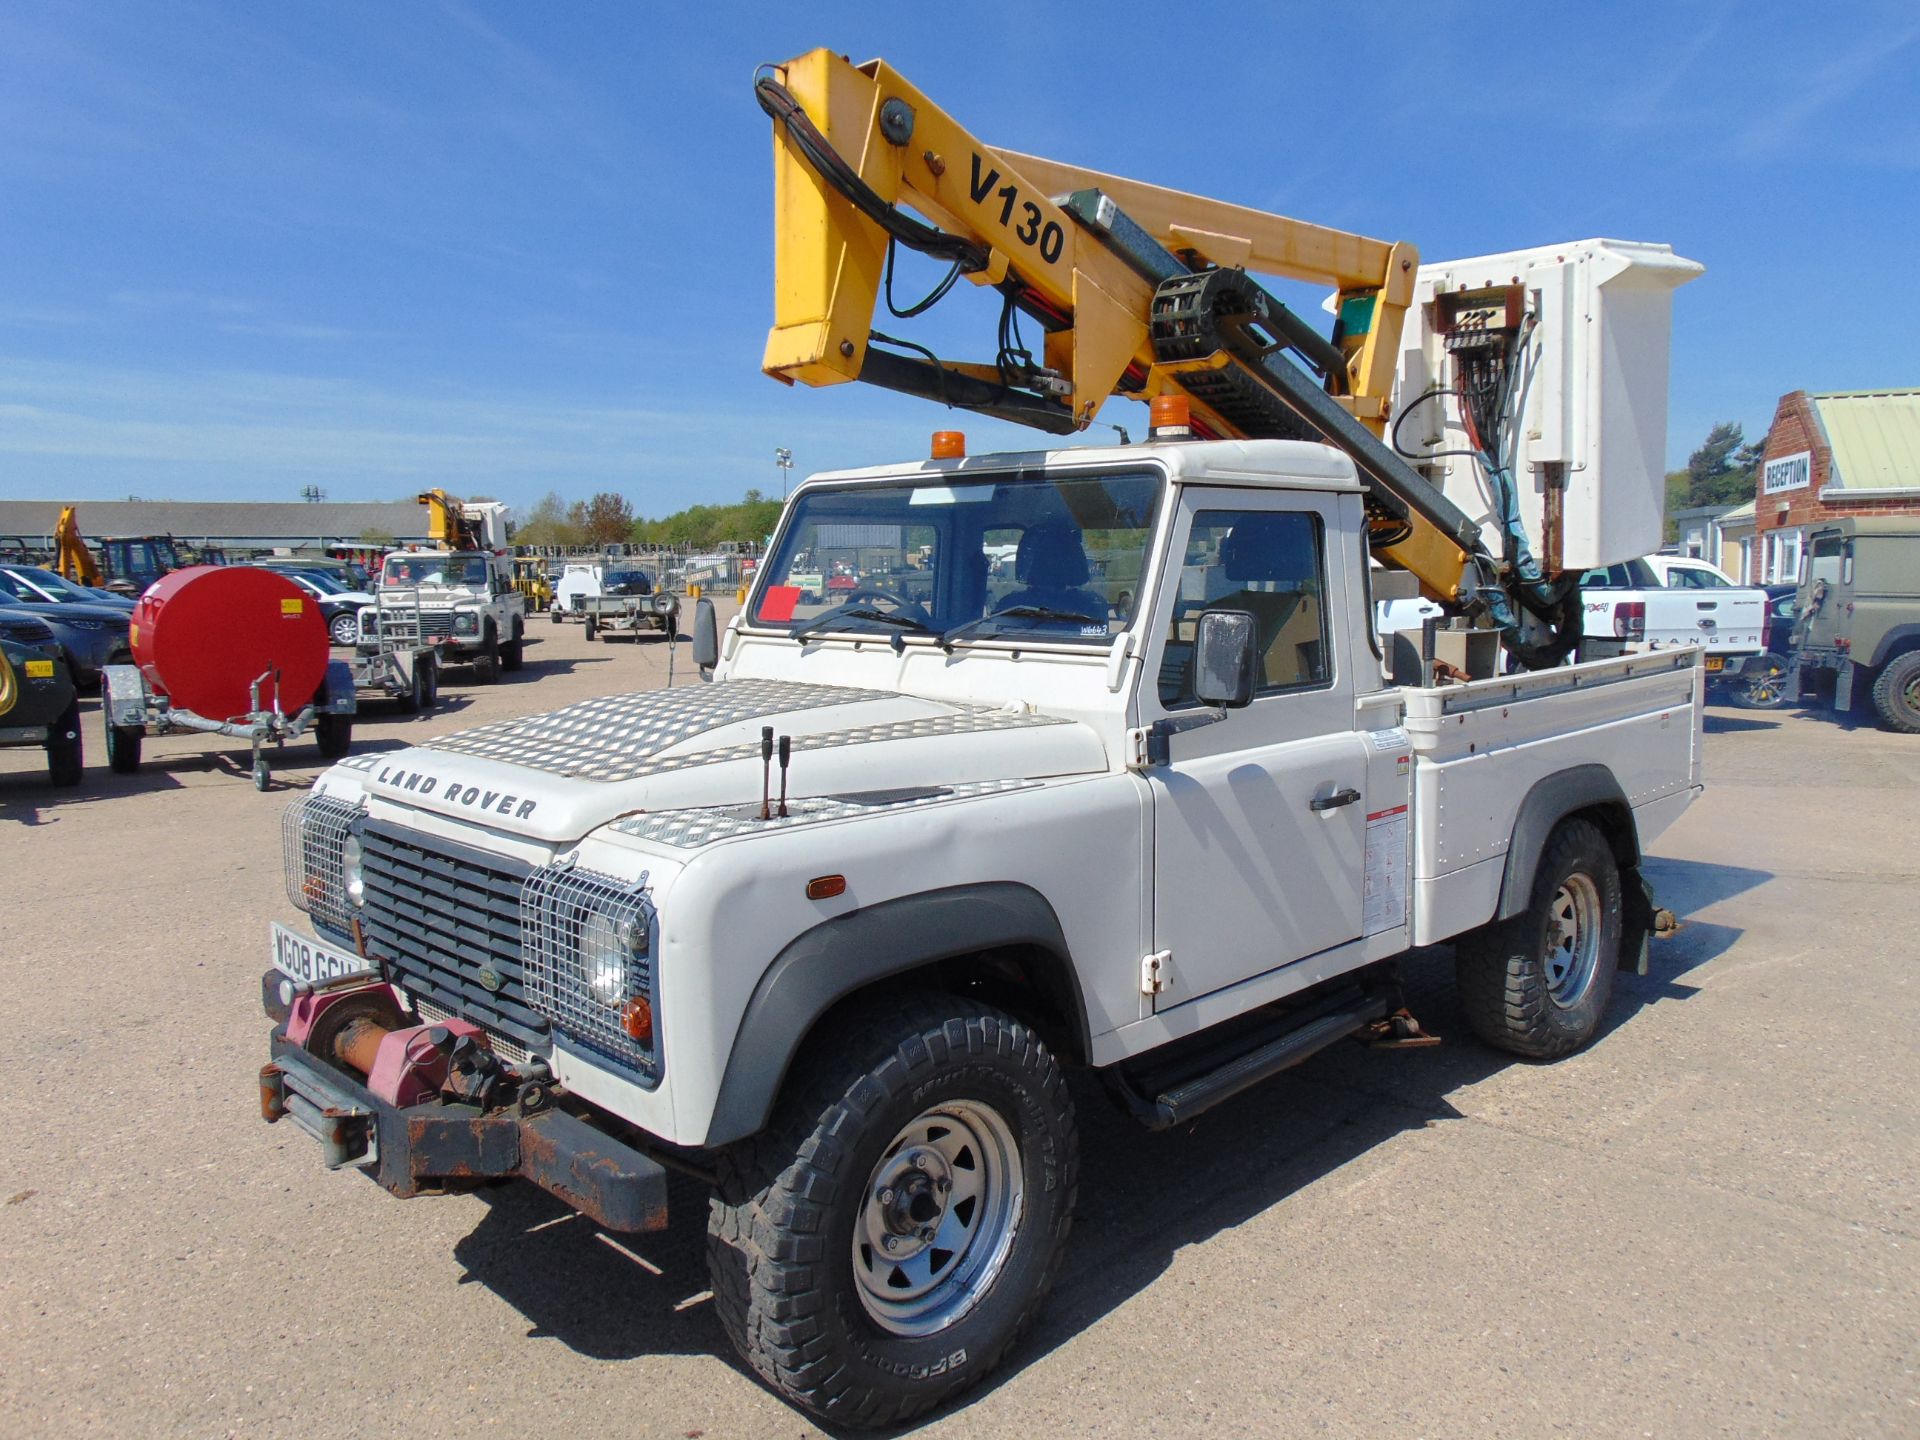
pixel 783 462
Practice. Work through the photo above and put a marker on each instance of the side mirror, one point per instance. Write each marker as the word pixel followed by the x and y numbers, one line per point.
pixel 706 636
pixel 1223 659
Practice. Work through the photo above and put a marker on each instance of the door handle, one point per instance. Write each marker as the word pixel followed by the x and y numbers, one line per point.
pixel 1335 800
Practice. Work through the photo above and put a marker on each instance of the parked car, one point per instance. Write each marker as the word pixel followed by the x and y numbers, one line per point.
pixel 37 704
pixel 1765 681
pixel 35 582
pixel 91 637
pixel 339 606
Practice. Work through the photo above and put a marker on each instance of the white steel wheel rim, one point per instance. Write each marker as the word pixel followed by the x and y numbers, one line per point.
pixel 1573 940
pixel 938 1218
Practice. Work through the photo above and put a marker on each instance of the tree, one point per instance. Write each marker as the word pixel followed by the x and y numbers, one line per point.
pixel 371 536
pixel 704 526
pixel 1721 471
pixel 547 523
pixel 606 518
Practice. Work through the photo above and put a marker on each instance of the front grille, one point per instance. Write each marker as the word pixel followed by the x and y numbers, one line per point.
pixel 312 834
pixel 400 627
pixel 446 920
pixel 26 630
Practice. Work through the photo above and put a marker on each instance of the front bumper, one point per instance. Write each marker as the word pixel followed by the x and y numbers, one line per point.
pixel 438 1146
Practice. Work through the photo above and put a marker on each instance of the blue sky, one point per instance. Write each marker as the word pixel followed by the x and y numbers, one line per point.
pixel 511 247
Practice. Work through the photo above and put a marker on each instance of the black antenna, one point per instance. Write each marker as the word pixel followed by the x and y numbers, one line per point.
pixel 786 754
pixel 766 769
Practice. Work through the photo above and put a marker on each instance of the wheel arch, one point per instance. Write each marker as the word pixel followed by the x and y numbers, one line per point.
pixel 1587 792
pixel 1000 942
pixel 1898 640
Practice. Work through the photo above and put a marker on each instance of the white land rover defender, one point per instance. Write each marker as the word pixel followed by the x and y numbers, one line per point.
pixel 1094 765
pixel 463 602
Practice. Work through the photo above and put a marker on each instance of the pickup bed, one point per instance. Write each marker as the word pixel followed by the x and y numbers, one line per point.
pixel 831 928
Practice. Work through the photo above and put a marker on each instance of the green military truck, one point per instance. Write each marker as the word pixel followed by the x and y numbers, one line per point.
pixel 1859 622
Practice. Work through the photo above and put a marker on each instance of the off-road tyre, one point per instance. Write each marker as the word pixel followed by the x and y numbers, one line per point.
pixel 334 735
pixel 1503 971
pixel 486 665
pixel 782 1228
pixel 514 654
pixel 1763 687
pixel 1896 693
pixel 66 755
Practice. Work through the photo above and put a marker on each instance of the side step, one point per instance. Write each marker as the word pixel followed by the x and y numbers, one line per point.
pixel 1171 1092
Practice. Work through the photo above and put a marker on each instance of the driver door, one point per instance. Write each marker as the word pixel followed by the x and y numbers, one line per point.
pixel 1259 820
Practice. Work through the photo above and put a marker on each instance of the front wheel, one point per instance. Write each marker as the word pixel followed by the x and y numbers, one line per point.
pixel 344 628
pixel 1537 985
pixel 884 1242
pixel 1896 693
pixel 334 735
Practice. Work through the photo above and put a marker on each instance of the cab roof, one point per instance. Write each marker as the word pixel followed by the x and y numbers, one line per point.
pixel 1277 464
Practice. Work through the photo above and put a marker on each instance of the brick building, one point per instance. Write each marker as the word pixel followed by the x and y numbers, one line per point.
pixel 1853 452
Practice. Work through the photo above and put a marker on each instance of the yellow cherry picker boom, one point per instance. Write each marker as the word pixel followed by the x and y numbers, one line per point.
pixel 1142 292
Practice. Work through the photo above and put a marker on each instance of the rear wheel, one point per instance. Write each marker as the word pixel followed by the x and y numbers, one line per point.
pixel 1762 686
pixel 514 654
pixel 885 1241
pixel 66 759
pixel 1537 984
pixel 1896 693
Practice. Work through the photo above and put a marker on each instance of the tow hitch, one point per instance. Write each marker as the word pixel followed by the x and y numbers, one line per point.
pixel 431 1107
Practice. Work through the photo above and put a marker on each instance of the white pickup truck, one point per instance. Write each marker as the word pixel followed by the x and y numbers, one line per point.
pixel 1643 609
pixel 1141 802
pixel 461 603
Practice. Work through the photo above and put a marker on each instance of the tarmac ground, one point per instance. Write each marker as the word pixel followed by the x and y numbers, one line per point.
pixel 1707 1223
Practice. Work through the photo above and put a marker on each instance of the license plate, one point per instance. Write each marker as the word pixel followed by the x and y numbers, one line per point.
pixel 296 955
pixel 1716 662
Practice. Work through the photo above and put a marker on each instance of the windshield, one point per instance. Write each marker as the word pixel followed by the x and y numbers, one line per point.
pixel 434 570
pixel 25 581
pixel 1054 557
pixel 320 581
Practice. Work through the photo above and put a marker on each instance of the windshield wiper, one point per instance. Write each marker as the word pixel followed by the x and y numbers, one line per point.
pixel 1017 612
pixel 861 612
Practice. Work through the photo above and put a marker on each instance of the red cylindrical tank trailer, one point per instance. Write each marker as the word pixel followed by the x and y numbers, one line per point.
pixel 203 635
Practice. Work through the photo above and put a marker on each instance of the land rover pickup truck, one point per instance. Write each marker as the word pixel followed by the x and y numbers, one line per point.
pixel 831 929
pixel 460 602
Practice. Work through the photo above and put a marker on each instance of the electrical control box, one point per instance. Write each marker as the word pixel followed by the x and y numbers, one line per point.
pixel 1586 435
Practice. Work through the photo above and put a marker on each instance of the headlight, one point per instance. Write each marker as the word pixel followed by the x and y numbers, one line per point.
pixel 587 947
pixel 606 950
pixel 353 878
pixel 317 834
pixel 466 622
